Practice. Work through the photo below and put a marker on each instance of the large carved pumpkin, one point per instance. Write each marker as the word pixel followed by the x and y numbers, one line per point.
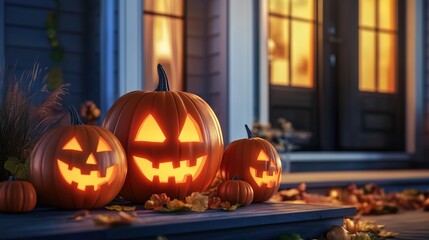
pixel 78 166
pixel 173 141
pixel 255 161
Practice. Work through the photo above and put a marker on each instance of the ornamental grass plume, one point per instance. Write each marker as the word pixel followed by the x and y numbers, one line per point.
pixel 22 121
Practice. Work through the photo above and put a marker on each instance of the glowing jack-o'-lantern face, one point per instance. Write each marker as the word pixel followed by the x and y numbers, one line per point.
pixel 268 177
pixel 151 132
pixel 173 141
pixel 255 161
pixel 78 166
pixel 73 174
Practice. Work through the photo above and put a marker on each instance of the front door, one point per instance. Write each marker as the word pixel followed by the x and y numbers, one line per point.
pixel 356 98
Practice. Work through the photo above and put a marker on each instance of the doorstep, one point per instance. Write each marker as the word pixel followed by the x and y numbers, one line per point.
pixel 257 221
pixel 390 180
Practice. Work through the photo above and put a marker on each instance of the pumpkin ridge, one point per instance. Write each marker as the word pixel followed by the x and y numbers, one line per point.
pixel 206 131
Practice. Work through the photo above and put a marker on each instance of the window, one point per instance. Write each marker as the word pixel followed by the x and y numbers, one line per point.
pixel 291 42
pixel 164 41
pixel 377 46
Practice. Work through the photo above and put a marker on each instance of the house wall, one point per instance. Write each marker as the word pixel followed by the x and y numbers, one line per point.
pixel 217 61
pixel 25 40
pixel 206 54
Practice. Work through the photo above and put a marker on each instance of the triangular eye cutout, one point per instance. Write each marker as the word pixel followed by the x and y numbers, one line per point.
pixel 263 156
pixel 103 146
pixel 150 131
pixel 190 131
pixel 73 144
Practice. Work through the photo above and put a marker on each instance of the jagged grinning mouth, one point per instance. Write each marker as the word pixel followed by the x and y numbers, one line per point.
pixel 269 180
pixel 84 180
pixel 166 170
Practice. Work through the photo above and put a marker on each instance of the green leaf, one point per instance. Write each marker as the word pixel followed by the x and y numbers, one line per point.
pixel 17 167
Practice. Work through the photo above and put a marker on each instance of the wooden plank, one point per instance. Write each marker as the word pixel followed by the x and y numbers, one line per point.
pixel 49 223
pixel 19 37
pixel 68 6
pixel 36 18
pixel 72 62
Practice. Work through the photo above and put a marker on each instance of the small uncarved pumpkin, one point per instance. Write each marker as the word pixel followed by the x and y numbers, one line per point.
pixel 256 161
pixel 235 191
pixel 17 196
pixel 78 166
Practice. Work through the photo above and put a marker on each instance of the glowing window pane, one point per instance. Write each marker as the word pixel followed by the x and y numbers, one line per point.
pixel 367 13
pixel 303 9
pixel 302 51
pixel 278 46
pixel 172 7
pixel 279 7
pixel 387 14
pixel 387 63
pixel 367 60
pixel 163 44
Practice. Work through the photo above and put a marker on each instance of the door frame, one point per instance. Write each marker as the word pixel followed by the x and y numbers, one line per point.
pixel 414 80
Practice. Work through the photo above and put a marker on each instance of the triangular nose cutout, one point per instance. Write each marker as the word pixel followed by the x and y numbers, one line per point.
pixel 91 159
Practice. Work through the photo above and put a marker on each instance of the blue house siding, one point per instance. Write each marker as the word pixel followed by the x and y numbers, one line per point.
pixel 25 40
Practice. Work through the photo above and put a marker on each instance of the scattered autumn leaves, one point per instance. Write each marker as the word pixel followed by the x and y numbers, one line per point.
pixel 196 202
pixel 126 215
pixel 120 218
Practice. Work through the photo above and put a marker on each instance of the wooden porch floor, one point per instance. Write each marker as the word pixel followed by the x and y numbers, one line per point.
pixel 257 221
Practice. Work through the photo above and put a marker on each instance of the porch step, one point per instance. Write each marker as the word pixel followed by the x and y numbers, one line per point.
pixel 390 180
pixel 257 221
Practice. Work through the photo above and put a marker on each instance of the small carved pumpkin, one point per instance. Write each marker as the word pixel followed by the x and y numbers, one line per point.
pixel 256 161
pixel 78 166
pixel 235 191
pixel 173 141
pixel 17 196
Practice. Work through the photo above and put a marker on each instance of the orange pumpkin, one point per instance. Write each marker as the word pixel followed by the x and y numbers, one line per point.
pixel 256 161
pixel 78 166
pixel 173 141
pixel 235 191
pixel 17 196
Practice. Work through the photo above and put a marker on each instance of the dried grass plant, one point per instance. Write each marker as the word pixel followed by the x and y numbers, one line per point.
pixel 22 122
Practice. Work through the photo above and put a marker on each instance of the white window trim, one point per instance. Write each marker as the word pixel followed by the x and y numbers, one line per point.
pixel 130 46
pixel 241 61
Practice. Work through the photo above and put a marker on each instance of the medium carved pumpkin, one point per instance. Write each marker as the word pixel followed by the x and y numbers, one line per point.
pixel 78 166
pixel 17 196
pixel 256 161
pixel 173 141
pixel 235 191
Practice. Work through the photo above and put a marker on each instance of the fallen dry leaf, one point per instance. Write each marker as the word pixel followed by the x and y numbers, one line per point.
pixel 214 202
pixel 156 201
pixel 121 208
pixel 226 206
pixel 198 202
pixel 80 215
pixel 119 219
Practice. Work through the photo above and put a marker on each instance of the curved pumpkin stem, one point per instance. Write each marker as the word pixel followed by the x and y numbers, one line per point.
pixel 74 116
pixel 163 80
pixel 235 178
pixel 12 178
pixel 249 132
